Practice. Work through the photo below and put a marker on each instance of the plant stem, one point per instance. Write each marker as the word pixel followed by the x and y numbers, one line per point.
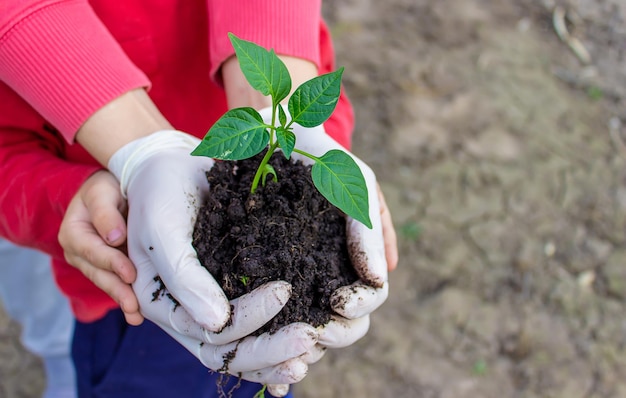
pixel 308 155
pixel 259 171
pixel 261 392
pixel 272 127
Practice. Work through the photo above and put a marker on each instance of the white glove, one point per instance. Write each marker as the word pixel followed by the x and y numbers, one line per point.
pixel 165 186
pixel 366 247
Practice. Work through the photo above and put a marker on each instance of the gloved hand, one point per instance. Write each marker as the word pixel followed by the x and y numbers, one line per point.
pixel 165 186
pixel 366 246
pixel 353 303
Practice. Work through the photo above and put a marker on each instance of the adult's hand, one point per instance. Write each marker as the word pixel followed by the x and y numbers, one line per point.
pixel 368 248
pixel 165 187
pixel 373 253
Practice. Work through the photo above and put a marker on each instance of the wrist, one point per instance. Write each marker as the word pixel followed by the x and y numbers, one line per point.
pixel 131 116
pixel 129 157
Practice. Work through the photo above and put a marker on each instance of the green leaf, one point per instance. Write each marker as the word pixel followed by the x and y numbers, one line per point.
pixel 340 180
pixel 268 169
pixel 262 68
pixel 286 140
pixel 282 117
pixel 244 279
pixel 239 134
pixel 315 100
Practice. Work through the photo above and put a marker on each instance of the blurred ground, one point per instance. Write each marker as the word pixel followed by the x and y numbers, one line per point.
pixel 503 158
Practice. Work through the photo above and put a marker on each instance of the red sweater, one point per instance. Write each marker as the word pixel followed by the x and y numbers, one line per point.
pixel 60 61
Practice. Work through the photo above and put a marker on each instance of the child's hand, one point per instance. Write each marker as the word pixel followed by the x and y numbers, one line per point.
pixel 93 237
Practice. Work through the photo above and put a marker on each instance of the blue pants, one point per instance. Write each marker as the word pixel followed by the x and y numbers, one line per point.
pixel 115 360
pixel 31 297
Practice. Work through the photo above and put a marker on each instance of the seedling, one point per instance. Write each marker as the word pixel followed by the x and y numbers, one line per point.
pixel 241 133
pixel 244 279
pixel 261 392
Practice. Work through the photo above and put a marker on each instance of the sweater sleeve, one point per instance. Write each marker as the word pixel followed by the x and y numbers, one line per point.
pixel 287 26
pixel 37 188
pixel 59 57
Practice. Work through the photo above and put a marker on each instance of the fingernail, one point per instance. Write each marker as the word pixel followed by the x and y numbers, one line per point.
pixel 293 371
pixel 278 390
pixel 114 235
pixel 282 291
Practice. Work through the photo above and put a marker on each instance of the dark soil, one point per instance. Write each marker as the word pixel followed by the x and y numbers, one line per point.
pixel 286 231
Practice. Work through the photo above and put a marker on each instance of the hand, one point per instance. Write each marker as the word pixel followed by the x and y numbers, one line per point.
pixel 268 359
pixel 367 247
pixel 389 233
pixel 93 233
pixel 165 187
pixel 373 253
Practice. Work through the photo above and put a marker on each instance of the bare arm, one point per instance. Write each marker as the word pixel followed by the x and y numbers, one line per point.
pixel 132 115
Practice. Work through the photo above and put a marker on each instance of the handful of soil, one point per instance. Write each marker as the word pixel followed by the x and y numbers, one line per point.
pixel 286 231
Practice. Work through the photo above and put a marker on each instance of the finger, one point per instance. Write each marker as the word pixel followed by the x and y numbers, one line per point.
pixel 260 352
pixel 389 233
pixel 342 332
pixel 249 313
pixel 105 266
pixel 79 238
pixel 367 253
pixel 278 390
pixel 314 354
pixel 267 359
pixel 106 207
pixel 357 300
pixel 133 318
pixel 288 372
pixel 195 289
pixel 80 241
pixel 121 292
pixel 366 245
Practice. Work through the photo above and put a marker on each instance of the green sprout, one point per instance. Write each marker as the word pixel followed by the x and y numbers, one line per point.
pixel 244 279
pixel 241 133
pixel 261 392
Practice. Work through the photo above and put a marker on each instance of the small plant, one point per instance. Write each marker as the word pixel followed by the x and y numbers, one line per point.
pixel 241 133
pixel 244 279
pixel 261 392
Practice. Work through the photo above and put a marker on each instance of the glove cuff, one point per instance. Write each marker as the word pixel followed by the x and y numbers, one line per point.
pixel 126 159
